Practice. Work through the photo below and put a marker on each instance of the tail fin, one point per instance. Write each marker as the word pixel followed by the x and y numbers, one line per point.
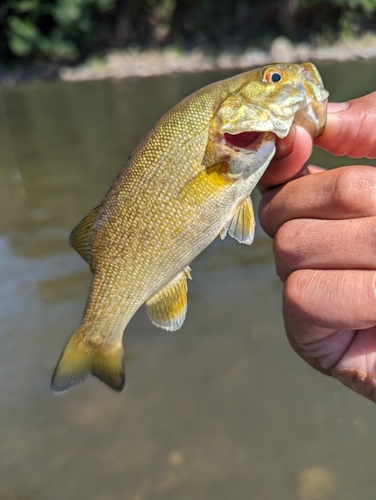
pixel 79 359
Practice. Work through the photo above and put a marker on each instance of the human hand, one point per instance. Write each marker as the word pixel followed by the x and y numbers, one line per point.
pixel 324 229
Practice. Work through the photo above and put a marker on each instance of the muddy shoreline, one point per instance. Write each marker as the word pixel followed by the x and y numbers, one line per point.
pixel 136 63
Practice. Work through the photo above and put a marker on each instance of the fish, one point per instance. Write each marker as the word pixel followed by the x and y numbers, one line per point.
pixel 188 181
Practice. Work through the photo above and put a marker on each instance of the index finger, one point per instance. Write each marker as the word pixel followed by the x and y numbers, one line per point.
pixel 290 166
pixel 342 193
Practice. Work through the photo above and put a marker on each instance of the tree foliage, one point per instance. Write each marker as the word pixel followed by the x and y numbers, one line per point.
pixel 53 29
pixel 72 29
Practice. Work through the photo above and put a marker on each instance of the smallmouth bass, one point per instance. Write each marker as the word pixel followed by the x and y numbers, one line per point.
pixel 187 182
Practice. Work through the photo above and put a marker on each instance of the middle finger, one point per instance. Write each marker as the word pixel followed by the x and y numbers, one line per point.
pixel 325 244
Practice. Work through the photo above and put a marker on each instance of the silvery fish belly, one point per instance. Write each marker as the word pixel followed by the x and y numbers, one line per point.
pixel 188 181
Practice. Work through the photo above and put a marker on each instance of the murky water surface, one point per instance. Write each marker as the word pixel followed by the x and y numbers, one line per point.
pixel 220 410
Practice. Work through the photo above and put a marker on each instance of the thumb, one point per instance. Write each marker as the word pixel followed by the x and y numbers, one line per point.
pixel 350 128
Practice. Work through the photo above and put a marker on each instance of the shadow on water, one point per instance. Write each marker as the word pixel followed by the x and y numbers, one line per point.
pixel 221 409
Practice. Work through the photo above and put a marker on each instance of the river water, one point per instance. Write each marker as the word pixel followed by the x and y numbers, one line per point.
pixel 220 410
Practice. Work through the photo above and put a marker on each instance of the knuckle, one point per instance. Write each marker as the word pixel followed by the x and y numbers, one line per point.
pixel 281 240
pixel 283 251
pixel 355 190
pixel 267 214
pixel 294 288
pixel 363 145
pixel 289 241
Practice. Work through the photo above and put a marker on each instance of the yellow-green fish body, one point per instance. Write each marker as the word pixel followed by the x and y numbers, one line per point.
pixel 188 181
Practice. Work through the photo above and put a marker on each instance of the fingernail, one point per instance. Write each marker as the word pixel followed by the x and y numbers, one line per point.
pixel 334 107
pixel 314 169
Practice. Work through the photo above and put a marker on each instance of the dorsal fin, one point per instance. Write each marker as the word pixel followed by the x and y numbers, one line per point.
pixel 81 237
pixel 167 308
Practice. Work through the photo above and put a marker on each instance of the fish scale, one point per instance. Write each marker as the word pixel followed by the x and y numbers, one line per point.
pixel 182 187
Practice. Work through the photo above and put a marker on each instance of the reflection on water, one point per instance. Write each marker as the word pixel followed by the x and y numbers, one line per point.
pixel 222 409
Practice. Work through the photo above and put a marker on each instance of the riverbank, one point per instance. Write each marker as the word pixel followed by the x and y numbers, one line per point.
pixel 136 63
pixel 124 64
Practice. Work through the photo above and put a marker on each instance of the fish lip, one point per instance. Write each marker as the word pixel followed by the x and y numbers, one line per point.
pixel 281 127
pixel 275 119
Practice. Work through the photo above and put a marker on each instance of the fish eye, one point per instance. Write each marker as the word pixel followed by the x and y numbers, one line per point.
pixel 272 76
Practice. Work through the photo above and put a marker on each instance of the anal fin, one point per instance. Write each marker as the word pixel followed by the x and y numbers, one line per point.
pixel 81 237
pixel 168 307
pixel 241 225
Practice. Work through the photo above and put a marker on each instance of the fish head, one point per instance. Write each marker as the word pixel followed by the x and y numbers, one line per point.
pixel 270 99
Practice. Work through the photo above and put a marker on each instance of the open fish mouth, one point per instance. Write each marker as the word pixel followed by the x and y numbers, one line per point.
pixel 249 140
pixel 252 152
pixel 243 140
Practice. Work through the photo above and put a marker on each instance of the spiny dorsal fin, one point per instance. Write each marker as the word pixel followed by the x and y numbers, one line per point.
pixel 81 237
pixel 241 226
pixel 168 307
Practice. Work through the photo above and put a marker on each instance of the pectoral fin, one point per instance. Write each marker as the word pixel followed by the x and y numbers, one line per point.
pixel 81 237
pixel 168 307
pixel 241 226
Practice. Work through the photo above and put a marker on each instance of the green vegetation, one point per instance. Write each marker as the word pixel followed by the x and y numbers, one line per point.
pixel 50 29
pixel 63 30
